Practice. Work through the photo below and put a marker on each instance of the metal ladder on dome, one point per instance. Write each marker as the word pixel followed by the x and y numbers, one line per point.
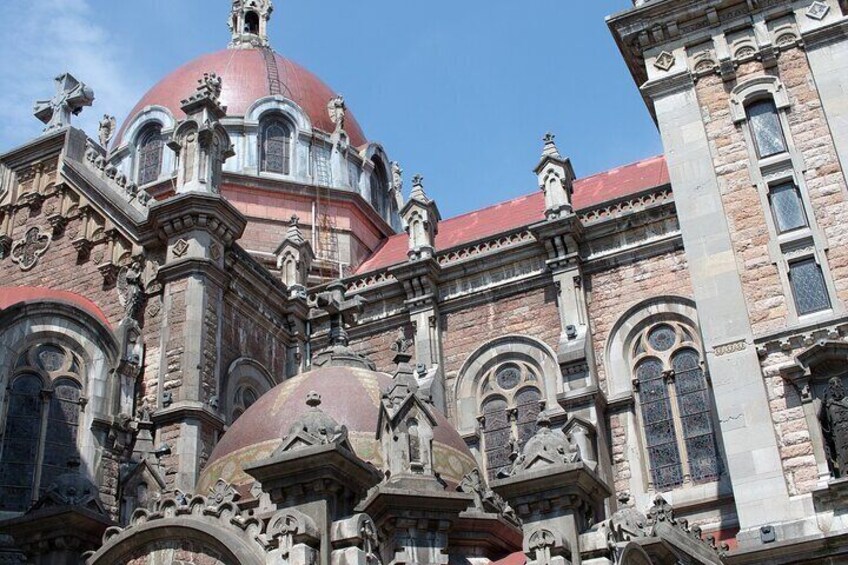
pixel 329 264
pixel 274 84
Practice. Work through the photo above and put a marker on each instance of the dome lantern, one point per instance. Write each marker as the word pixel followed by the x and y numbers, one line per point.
pixel 248 23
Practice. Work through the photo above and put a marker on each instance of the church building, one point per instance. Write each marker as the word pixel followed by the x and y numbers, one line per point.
pixel 234 332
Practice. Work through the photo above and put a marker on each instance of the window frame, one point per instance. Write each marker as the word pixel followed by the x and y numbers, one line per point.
pixel 812 258
pixel 755 138
pixel 268 121
pixel 791 184
pixel 144 139
pixel 642 351
pixel 72 372
pixel 490 390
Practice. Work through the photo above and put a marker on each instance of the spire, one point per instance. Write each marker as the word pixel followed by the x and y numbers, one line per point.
pixel 556 179
pixel 550 149
pixel 248 23
pixel 418 190
pixel 421 219
pixel 294 259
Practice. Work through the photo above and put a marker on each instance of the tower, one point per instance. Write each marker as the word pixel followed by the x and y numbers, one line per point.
pixel 248 23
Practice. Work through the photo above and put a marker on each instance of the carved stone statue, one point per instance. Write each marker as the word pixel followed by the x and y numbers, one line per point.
pixel 835 420
pixel 338 111
pixel 106 129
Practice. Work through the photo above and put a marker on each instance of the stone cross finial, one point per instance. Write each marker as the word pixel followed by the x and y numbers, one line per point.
pixel 340 309
pixel 70 99
pixel 294 221
pixel 418 189
pixel 550 145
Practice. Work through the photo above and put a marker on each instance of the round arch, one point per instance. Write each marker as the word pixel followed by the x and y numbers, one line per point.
pixel 234 549
pixel 627 327
pixel 244 372
pixel 498 351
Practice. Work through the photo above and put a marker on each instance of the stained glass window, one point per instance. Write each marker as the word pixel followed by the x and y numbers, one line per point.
pixel 808 286
pixel 663 452
pixel 662 338
pixel 508 377
pixel 20 443
pixel 528 406
pixel 766 128
pixel 694 406
pixel 62 430
pixel 275 147
pixel 379 189
pixel 41 430
pixel 788 208
pixel 496 435
pixel 150 148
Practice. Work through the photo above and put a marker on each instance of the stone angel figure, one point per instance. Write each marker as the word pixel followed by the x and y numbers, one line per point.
pixel 106 130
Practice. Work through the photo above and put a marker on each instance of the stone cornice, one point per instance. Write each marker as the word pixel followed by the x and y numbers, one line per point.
pixel 43 147
pixel 836 31
pixel 198 211
pixel 182 411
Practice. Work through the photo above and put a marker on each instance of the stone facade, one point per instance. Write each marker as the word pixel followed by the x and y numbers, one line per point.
pixel 642 366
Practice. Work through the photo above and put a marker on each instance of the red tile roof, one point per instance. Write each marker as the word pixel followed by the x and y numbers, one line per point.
pixel 589 192
pixel 245 79
pixel 12 295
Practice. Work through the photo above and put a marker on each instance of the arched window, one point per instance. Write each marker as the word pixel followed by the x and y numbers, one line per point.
pixel 766 129
pixel 251 23
pixel 245 398
pixel 41 423
pixel 275 146
pixel 151 144
pixel 379 189
pixel 511 404
pixel 676 407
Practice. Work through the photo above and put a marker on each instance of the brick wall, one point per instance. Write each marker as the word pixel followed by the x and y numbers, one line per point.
pixel 532 313
pixel 612 292
pixel 378 347
pixel 764 293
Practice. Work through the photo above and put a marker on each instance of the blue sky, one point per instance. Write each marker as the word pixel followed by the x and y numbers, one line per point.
pixel 459 91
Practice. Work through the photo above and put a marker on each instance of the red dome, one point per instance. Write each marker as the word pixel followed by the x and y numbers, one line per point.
pixel 248 76
pixel 351 397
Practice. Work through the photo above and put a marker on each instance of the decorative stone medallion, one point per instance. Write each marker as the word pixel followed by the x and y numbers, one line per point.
pixel 665 61
pixel 180 248
pixel 215 252
pixel 26 251
pixel 817 10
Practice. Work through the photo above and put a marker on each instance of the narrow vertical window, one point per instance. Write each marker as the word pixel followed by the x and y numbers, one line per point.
pixel 528 406
pixel 693 402
pixel 787 207
pixel 379 189
pixel 808 286
pixel 766 128
pixel 150 147
pixel 496 435
pixel 663 453
pixel 414 441
pixel 62 430
pixel 275 147
pixel 18 458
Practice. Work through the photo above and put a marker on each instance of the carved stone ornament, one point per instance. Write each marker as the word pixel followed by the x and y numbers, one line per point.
pixel 818 10
pixel 26 251
pixel 337 110
pixel 665 61
pixel 547 447
pixel 314 427
pixel 223 493
pixel 180 248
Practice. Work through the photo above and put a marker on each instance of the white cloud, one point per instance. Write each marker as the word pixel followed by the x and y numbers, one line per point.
pixel 44 38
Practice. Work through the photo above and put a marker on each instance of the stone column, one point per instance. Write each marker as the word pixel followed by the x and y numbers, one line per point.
pixel 753 458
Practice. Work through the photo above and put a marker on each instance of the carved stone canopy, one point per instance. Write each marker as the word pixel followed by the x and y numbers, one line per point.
pixel 819 362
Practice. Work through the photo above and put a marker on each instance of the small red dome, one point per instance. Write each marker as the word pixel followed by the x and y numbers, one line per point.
pixel 248 75
pixel 351 396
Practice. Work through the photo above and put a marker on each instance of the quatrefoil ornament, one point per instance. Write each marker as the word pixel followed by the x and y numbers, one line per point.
pixel 26 251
